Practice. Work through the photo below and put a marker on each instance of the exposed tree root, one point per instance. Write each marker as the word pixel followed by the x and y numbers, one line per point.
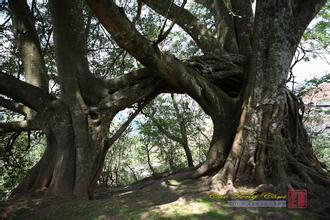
pixel 283 157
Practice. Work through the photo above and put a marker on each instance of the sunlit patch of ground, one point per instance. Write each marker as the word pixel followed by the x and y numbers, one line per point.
pixel 184 207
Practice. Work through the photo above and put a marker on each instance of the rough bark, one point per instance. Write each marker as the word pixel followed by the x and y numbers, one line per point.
pixel 28 44
pixel 29 47
pixel 262 137
pixel 77 124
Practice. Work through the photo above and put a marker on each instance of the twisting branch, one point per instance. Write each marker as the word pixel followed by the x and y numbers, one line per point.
pixel 167 67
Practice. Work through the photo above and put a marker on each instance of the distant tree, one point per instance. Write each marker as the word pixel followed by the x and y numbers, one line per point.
pixel 180 122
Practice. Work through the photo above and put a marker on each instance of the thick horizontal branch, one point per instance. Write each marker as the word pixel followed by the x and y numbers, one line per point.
pixel 25 93
pixel 129 95
pixel 167 67
pixel 189 23
pixel 16 126
pixel 222 73
pixel 129 79
pixel 13 106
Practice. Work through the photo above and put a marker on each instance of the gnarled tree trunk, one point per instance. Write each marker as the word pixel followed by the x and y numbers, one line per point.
pixel 65 169
pixel 271 142
pixel 76 124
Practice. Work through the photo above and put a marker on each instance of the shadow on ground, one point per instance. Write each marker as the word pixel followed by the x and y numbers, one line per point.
pixel 161 200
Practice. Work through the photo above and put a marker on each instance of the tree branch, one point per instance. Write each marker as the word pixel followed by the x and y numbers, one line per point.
pixel 168 67
pixel 124 126
pixel 123 31
pixel 13 106
pixel 243 21
pixel 189 23
pixel 23 92
pixel 131 94
pixel 304 11
pixel 162 35
pixel 28 44
pixel 17 126
pixel 226 34
pixel 129 79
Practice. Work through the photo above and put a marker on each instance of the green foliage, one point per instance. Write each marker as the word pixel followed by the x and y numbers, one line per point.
pixel 145 149
pixel 315 119
pixel 321 147
pixel 17 157
pixel 162 118
pixel 121 162
pixel 320 31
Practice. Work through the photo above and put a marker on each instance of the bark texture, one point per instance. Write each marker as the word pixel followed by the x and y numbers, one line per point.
pixel 264 150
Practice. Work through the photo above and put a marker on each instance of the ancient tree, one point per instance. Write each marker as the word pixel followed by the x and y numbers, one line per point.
pixel 239 81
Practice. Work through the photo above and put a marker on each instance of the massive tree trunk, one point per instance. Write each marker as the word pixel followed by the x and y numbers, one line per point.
pixel 271 142
pixel 65 169
pixel 76 125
